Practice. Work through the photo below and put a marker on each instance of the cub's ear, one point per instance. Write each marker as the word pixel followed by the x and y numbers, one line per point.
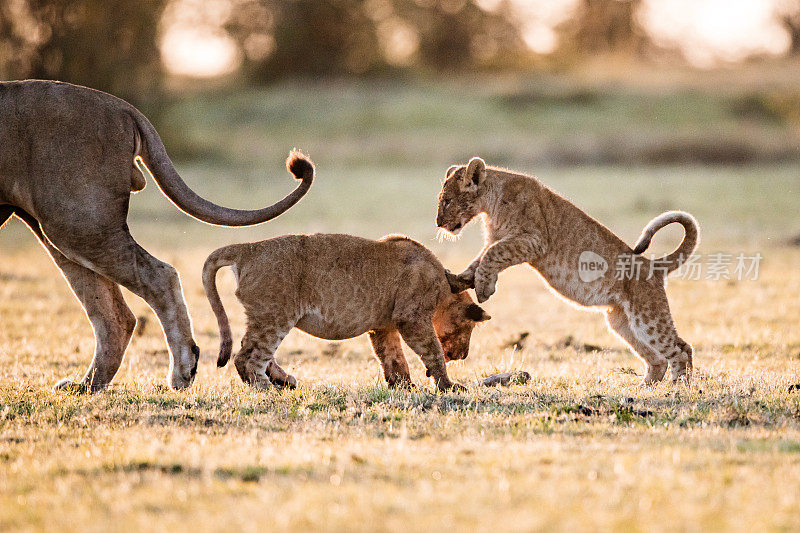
pixel 476 313
pixel 456 283
pixel 451 170
pixel 474 174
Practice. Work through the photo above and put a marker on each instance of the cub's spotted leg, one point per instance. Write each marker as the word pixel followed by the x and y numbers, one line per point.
pixel 421 337
pixel 684 366
pixel 501 255
pixel 389 351
pixel 256 363
pixel 677 351
pixel 656 363
pixel 651 322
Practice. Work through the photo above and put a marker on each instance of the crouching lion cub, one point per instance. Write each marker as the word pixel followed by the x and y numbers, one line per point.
pixel 337 287
pixel 526 222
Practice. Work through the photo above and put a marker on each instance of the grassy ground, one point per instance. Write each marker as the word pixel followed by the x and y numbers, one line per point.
pixel 583 446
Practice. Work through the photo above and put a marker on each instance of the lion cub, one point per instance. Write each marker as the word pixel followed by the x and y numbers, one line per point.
pixel 337 287
pixel 526 222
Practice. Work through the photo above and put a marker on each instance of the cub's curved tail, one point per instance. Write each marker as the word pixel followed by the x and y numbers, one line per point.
pixel 226 256
pixel 690 239
pixel 150 151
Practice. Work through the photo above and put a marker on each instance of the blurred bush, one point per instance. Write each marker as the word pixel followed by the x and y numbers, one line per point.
pixel 111 46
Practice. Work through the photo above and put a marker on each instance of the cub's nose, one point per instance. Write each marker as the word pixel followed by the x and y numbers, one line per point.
pixel 439 220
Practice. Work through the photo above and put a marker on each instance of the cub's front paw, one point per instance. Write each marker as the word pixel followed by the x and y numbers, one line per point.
pixel 460 282
pixel 457 387
pixel 445 385
pixel 468 278
pixel 400 381
pixel 484 288
pixel 681 371
pixel 655 373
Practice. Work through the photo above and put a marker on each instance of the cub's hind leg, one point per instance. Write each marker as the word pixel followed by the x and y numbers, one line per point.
pixel 651 322
pixel 656 363
pixel 389 351
pixel 683 367
pixel 256 363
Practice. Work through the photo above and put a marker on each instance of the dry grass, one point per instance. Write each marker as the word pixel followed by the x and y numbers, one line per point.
pixel 582 446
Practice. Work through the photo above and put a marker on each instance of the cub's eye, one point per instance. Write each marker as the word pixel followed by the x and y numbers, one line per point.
pixel 445 202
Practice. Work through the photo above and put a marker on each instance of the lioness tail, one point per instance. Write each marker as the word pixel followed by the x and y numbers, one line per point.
pixel 690 239
pixel 150 150
pixel 220 258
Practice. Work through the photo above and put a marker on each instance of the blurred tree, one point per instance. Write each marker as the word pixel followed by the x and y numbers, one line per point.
pixel 604 27
pixel 356 37
pixel 305 37
pixel 789 16
pixel 110 46
pixel 460 34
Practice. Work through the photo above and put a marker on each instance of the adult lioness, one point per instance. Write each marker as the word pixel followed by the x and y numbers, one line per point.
pixel 67 168
pixel 337 287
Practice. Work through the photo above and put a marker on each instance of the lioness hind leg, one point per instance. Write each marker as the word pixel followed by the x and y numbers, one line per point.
pixel 256 363
pixel 112 320
pixel 656 363
pixel 114 253
pixel 389 351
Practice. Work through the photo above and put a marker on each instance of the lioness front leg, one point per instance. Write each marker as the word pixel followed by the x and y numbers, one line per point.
pixel 421 337
pixel 389 351
pixel 501 255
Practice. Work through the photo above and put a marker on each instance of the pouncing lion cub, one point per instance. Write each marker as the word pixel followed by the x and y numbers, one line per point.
pixel 337 287
pixel 526 222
